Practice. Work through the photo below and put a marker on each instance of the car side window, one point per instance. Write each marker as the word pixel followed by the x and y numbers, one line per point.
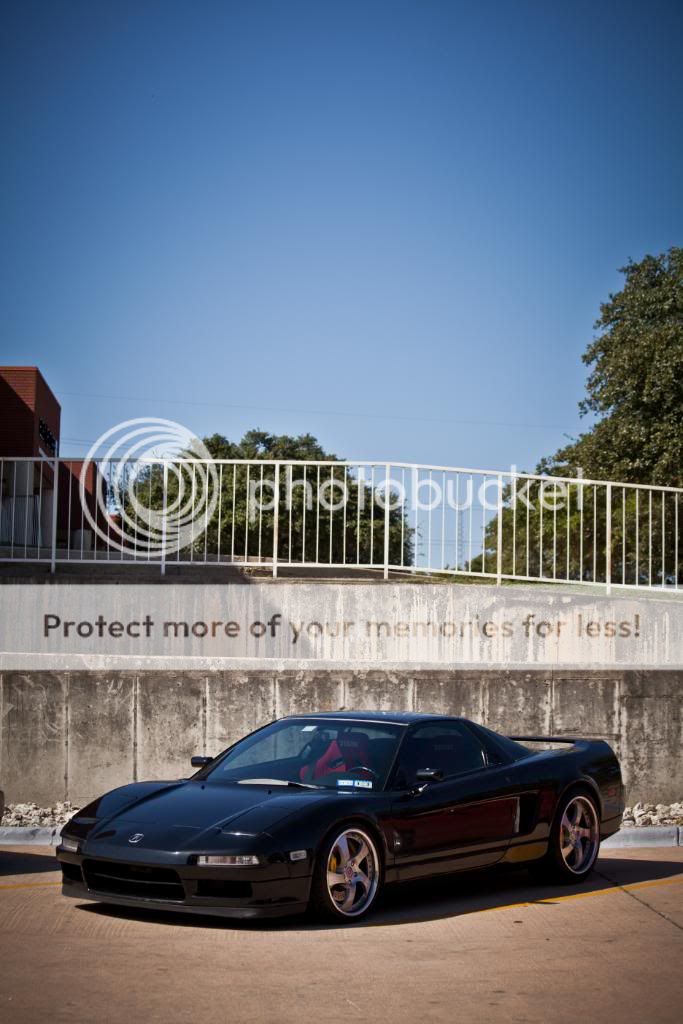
pixel 448 747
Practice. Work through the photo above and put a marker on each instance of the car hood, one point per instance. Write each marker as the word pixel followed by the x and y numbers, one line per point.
pixel 185 811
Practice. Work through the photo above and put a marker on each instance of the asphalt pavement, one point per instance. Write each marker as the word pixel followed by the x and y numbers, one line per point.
pixel 483 947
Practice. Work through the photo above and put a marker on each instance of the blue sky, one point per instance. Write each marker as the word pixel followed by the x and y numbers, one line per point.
pixel 387 223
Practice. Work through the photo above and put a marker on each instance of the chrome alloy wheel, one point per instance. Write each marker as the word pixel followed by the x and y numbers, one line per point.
pixel 352 872
pixel 579 835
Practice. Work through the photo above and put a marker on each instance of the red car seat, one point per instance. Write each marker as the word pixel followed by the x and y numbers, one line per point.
pixel 349 751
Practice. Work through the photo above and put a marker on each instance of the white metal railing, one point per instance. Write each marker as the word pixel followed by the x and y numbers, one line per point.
pixel 388 516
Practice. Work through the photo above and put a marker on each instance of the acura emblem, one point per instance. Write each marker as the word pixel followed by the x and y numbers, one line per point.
pixel 136 837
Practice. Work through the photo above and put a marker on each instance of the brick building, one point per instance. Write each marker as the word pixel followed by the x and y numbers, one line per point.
pixel 30 418
pixel 29 414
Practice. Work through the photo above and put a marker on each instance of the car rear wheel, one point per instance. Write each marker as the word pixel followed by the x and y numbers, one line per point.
pixel 574 840
pixel 348 875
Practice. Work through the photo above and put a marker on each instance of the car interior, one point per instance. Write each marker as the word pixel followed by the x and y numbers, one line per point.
pixel 443 748
pixel 351 751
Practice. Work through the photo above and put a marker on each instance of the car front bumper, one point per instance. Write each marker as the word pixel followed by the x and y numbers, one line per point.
pixel 271 890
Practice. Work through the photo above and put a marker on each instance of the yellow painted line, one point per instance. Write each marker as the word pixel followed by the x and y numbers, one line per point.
pixel 29 885
pixel 548 901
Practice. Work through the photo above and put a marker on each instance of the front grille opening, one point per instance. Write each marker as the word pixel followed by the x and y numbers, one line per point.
pixel 71 873
pixel 221 890
pixel 136 880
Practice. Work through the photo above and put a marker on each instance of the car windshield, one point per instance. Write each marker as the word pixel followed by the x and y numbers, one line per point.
pixel 327 752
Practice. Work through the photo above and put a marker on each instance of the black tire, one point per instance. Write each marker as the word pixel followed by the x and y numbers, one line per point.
pixel 574 841
pixel 336 902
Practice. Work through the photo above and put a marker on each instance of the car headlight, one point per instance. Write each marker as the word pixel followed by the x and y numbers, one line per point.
pixel 69 844
pixel 239 861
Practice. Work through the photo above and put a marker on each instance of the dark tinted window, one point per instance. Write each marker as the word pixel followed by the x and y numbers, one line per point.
pixel 450 747
pixel 513 751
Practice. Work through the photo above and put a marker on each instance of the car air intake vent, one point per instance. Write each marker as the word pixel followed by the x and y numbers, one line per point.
pixel 223 890
pixel 135 880
pixel 528 812
pixel 71 873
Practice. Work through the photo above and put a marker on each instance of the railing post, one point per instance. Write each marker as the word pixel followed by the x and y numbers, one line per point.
pixel 276 517
pixel 414 483
pixel 387 473
pixel 608 541
pixel 53 538
pixel 163 520
pixel 499 541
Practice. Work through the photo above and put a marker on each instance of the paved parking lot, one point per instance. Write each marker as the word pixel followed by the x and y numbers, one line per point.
pixel 473 948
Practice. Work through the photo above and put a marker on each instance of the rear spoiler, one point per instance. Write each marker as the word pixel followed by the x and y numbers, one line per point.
pixel 545 739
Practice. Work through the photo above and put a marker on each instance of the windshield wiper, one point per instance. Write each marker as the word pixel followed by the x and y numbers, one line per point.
pixel 278 782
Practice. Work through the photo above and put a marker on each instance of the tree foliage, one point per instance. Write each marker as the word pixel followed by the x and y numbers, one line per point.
pixel 635 386
pixel 635 391
pixel 241 528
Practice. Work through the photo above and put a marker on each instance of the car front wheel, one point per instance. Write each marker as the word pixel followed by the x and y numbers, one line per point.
pixel 348 875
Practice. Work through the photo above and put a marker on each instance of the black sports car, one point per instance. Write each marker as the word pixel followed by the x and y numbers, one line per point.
pixel 320 811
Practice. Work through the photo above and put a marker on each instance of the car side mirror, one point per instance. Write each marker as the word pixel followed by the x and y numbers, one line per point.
pixel 428 775
pixel 200 762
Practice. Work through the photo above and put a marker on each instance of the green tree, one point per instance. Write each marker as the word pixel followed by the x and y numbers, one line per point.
pixel 635 386
pixel 635 391
pixel 241 528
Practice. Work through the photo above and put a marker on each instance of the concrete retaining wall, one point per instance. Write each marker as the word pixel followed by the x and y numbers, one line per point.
pixel 72 735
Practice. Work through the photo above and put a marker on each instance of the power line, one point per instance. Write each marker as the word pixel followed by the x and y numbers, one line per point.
pixel 315 412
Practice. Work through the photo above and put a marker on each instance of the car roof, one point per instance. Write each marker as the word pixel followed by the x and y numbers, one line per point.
pixel 395 717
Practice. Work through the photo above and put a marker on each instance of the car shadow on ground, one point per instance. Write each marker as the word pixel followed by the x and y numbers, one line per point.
pixel 500 888
pixel 434 899
pixel 13 862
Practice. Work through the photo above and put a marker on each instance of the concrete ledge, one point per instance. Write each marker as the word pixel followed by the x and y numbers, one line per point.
pixel 654 835
pixel 15 835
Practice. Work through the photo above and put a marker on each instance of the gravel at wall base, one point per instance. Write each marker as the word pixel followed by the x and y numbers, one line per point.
pixel 30 815
pixel 33 816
